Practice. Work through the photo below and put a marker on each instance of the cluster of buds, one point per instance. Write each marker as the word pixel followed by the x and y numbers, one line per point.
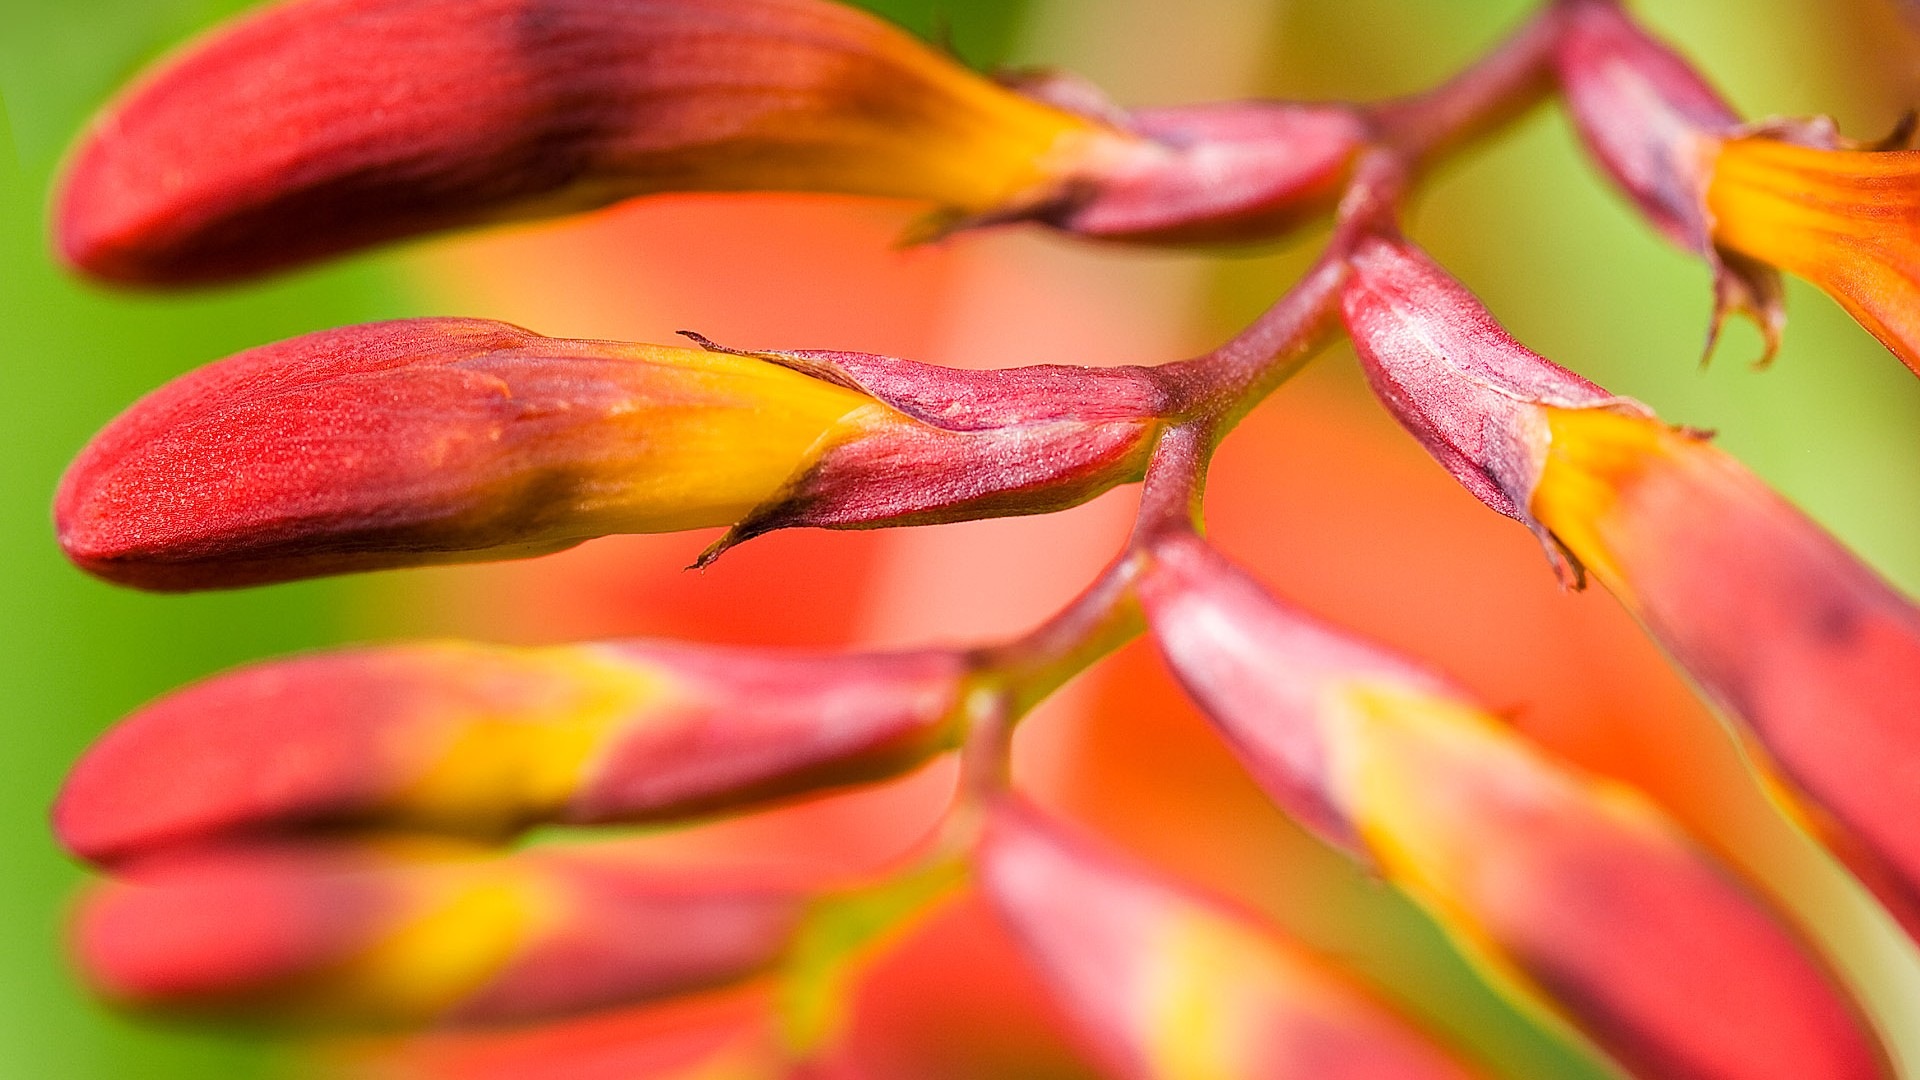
pixel 337 840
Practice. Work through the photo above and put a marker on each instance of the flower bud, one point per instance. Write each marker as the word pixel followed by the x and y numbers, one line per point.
pixel 483 741
pixel 1812 655
pixel 1574 893
pixel 448 440
pixel 394 937
pixel 317 127
pixel 1163 984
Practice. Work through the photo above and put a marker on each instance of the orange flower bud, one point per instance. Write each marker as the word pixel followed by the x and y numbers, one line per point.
pixel 447 440
pixel 483 741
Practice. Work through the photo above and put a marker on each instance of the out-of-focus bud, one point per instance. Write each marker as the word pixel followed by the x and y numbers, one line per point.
pixel 1847 220
pixel 1476 398
pixel 1165 985
pixel 390 937
pixel 1814 657
pixel 1654 124
pixel 446 440
pixel 1576 893
pixel 483 741
pixel 317 127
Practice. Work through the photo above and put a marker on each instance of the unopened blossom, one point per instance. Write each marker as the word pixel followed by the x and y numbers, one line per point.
pixel 411 934
pixel 1790 194
pixel 1574 892
pixel 1812 655
pixel 315 127
pixel 1165 984
pixel 485 740
pixel 429 441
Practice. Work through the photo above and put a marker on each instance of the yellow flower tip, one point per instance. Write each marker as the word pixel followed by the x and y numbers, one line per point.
pixel 1594 458
pixel 1846 220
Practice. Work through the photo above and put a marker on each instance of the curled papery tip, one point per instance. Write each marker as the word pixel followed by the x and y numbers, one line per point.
pixel 1577 895
pixel 483 741
pixel 429 441
pixel 315 127
pixel 1475 398
pixel 1813 655
pixel 1162 983
pixel 409 936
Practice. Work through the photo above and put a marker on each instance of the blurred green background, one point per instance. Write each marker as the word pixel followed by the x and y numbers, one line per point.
pixel 1523 222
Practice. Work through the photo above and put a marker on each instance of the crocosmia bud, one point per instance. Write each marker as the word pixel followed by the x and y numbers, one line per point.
pixel 1813 655
pixel 390 937
pixel 446 440
pixel 1574 893
pixel 1166 985
pixel 483 741
pixel 317 127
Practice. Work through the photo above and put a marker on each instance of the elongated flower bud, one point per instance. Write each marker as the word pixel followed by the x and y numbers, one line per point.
pixel 1577 893
pixel 320 126
pixel 317 127
pixel 1163 984
pixel 374 938
pixel 447 440
pixel 483 741
pixel 1814 658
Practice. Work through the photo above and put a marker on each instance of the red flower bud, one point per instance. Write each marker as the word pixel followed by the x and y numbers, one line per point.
pixel 484 741
pixel 409 937
pixel 315 127
pixel 447 440
pixel 1812 655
